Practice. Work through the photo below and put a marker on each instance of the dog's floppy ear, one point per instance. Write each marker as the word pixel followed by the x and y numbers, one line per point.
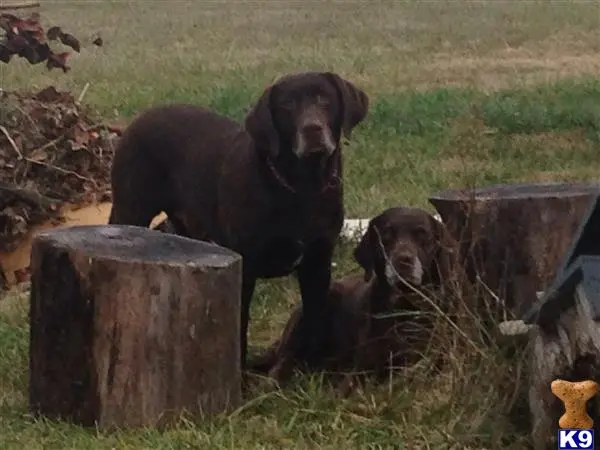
pixel 259 125
pixel 363 253
pixel 355 103
pixel 445 264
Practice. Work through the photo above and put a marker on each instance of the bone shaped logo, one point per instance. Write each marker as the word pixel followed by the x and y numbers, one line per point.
pixel 575 396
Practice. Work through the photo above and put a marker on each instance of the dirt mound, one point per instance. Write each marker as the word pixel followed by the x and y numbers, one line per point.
pixel 52 155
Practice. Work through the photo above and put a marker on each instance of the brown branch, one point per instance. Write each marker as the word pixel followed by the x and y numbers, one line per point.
pixel 11 141
pixel 113 128
pixel 48 144
pixel 32 198
pixel 83 92
pixel 24 5
pixel 61 170
pixel 40 163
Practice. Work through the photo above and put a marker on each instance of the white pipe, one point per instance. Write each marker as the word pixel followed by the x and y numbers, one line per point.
pixel 355 228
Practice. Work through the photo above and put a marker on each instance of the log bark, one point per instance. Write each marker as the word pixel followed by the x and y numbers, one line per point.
pixel 570 351
pixel 513 237
pixel 132 327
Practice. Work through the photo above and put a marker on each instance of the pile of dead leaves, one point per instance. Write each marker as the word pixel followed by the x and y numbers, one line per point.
pixel 51 154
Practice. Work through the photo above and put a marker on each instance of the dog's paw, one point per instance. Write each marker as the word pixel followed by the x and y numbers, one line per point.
pixel 347 386
pixel 259 384
pixel 269 384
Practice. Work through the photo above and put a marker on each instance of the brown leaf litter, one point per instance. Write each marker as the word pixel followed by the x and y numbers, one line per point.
pixel 52 155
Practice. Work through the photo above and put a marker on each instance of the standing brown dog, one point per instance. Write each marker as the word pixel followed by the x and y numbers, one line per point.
pixel 271 192
pixel 402 249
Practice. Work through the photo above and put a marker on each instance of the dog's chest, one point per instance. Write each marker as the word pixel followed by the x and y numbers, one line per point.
pixel 276 236
pixel 279 256
pixel 308 217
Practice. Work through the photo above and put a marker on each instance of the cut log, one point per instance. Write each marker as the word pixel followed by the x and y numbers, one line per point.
pixel 132 327
pixel 565 332
pixel 513 237
pixel 569 350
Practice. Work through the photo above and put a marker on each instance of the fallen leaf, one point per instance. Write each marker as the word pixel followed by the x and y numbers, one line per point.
pixel 5 54
pixel 53 33
pixel 32 28
pixel 34 17
pixel 71 41
pixel 35 55
pixel 80 136
pixel 8 21
pixel 48 95
pixel 58 61
pixel 38 155
pixel 16 43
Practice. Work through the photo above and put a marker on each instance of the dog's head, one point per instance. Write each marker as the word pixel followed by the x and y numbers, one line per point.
pixel 407 243
pixel 305 115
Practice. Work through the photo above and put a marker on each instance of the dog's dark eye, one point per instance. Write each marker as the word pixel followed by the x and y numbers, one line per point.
pixel 388 233
pixel 322 101
pixel 287 105
pixel 421 233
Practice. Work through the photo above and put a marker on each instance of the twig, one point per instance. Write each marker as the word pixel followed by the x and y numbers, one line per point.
pixel 28 116
pixel 61 170
pixel 11 141
pixel 494 296
pixel 32 197
pixel 24 5
pixel 40 163
pixel 83 92
pixel 46 145
pixel 113 128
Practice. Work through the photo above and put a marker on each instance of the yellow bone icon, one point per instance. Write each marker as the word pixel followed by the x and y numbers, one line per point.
pixel 575 396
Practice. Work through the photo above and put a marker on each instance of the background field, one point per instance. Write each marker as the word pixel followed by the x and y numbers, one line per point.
pixel 462 93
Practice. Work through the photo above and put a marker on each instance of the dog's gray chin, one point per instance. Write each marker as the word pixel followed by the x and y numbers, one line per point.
pixel 392 276
pixel 321 151
pixel 397 283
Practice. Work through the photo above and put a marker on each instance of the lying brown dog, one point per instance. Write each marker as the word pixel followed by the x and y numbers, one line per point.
pixel 271 190
pixel 402 249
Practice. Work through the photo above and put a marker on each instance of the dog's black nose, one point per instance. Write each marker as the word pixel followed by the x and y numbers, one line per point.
pixel 312 130
pixel 405 260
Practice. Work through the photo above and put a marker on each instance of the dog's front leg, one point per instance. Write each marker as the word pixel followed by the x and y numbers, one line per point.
pixel 361 355
pixel 314 277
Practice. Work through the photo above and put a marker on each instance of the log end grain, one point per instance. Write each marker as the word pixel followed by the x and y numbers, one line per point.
pixel 522 191
pixel 131 243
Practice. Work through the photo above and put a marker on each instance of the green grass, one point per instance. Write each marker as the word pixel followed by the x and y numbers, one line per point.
pixel 461 94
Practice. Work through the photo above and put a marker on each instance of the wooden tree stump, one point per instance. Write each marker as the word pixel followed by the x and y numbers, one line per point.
pixel 132 327
pixel 566 348
pixel 513 237
pixel 565 331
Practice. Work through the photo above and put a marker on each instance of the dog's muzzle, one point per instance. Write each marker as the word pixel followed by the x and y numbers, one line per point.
pixel 409 268
pixel 314 138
